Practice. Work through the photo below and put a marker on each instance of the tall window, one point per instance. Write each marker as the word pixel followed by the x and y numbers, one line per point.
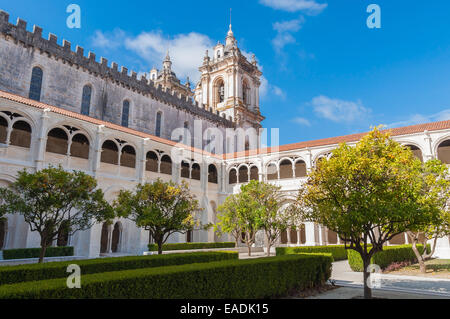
pixel 221 92
pixel 125 113
pixel 158 124
pixel 36 84
pixel 86 100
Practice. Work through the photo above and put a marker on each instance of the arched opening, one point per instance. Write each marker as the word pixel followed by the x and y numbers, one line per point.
pixel 272 172
pixel 284 238
pixel 189 236
pixel 115 243
pixel 63 234
pixel 286 169
pixel 128 157
pixel 125 113
pixel 110 153
pixel 416 151
pixel 86 100
pixel 3 130
pixel 3 230
pixel 152 162
pixel 246 93
pixel 36 83
pixel 212 174
pixel 294 237
pixel 21 134
pixel 254 173
pixel 302 234
pixel 219 92
pixel 300 169
pixel 195 174
pixel 398 240
pixel 166 165
pixel 332 237
pixel 243 174
pixel 232 178
pixel 444 152
pixel 57 141
pixel 184 169
pixel 104 239
pixel 80 146
pixel 158 124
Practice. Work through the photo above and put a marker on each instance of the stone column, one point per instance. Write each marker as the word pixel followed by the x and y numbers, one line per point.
pixel 140 176
pixel 310 234
pixel 41 141
pixel 428 154
pixel 97 148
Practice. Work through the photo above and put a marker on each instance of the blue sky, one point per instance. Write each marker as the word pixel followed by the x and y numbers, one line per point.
pixel 325 72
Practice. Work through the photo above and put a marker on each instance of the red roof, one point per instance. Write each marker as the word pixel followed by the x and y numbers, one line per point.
pixel 419 128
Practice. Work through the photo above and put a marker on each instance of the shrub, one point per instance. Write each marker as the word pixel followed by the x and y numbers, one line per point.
pixel 189 246
pixel 26 253
pixel 35 272
pixel 389 255
pixel 338 252
pixel 239 279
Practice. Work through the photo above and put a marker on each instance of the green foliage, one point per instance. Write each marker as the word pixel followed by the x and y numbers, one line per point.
pixel 389 255
pixel 163 208
pixel 188 246
pixel 52 200
pixel 338 252
pixel 36 272
pixel 35 252
pixel 239 279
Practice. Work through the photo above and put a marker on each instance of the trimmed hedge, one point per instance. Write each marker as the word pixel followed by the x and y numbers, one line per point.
pixel 239 279
pixel 338 252
pixel 35 272
pixel 389 255
pixel 26 253
pixel 189 246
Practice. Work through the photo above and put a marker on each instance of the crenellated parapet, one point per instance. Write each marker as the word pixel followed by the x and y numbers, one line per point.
pixel 18 32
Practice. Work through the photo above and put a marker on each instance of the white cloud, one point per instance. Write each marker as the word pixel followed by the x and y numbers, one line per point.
pixel 186 50
pixel 302 121
pixel 284 33
pixel 308 6
pixel 421 118
pixel 266 89
pixel 339 110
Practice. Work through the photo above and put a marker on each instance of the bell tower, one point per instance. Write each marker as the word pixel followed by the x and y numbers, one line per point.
pixel 230 84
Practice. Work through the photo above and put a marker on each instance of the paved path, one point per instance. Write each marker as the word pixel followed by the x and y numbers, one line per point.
pixel 357 293
pixel 344 276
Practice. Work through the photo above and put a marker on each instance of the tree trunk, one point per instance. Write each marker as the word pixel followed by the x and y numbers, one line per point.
pixel 268 245
pixel 160 247
pixel 367 289
pixel 423 268
pixel 249 246
pixel 42 254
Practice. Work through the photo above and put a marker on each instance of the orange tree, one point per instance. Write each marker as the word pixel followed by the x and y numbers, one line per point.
pixel 53 200
pixel 163 208
pixel 368 194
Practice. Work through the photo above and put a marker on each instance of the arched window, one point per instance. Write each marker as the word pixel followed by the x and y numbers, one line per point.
pixel 243 174
pixel 57 141
pixel 86 100
pixel 21 134
pixel 36 84
pixel 152 162
pixel 416 151
pixel 3 130
pixel 286 169
pixel 63 234
pixel 125 113
pixel 444 152
pixel 195 174
pixel 332 237
pixel 220 92
pixel 115 243
pixel 184 169
pixel 245 93
pixel 254 173
pixel 158 124
pixel 272 172
pixel 212 174
pixel 189 236
pixel 166 165
pixel 232 178
pixel 110 153
pixel 300 169
pixel 80 146
pixel 128 157
pixel 104 238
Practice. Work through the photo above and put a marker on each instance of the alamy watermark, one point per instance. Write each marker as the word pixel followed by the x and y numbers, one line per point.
pixel 74 19
pixel 374 19
pixel 74 279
